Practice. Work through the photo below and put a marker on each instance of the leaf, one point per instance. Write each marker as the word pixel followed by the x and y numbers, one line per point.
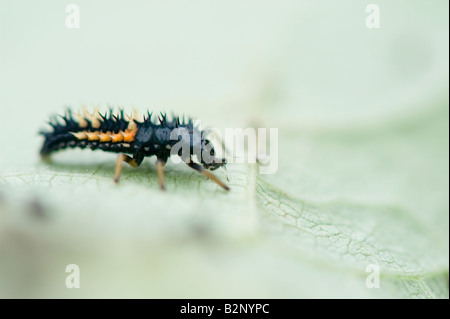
pixel 266 238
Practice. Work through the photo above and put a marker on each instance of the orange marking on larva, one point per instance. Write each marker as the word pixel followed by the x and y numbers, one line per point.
pixel 92 136
pixel 132 125
pixel 104 137
pixel 129 136
pixel 81 120
pixel 95 123
pixel 92 118
pixel 117 137
pixel 80 135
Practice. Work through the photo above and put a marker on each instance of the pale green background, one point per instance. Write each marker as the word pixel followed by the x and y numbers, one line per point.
pixel 363 149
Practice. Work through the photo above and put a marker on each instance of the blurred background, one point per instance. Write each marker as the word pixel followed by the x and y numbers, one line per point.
pixel 363 150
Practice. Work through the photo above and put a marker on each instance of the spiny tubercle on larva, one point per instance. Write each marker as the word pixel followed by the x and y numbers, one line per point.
pixel 95 130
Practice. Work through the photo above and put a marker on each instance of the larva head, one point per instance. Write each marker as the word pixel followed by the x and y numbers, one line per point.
pixel 209 159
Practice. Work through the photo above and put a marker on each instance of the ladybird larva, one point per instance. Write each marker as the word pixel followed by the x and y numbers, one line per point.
pixel 132 139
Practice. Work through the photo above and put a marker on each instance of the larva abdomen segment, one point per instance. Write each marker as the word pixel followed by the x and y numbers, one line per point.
pixel 57 142
pixel 112 134
pixel 61 143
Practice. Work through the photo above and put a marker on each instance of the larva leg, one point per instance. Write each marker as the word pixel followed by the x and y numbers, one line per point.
pixel 208 174
pixel 135 162
pixel 160 172
pixel 46 158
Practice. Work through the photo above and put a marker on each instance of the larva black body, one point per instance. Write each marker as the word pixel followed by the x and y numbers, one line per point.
pixel 126 135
